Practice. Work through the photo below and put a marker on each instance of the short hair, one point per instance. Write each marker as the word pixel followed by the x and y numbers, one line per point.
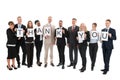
pixel 49 16
pixel 94 24
pixel 74 19
pixel 36 21
pixel 108 20
pixel 60 21
pixel 10 23
pixel 19 17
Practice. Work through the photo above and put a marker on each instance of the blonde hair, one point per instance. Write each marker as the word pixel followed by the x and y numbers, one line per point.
pixel 82 25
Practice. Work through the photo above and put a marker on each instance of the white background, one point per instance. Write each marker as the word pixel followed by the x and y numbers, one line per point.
pixel 87 11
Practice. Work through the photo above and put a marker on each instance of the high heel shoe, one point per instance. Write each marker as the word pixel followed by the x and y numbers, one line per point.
pixel 9 68
pixel 14 67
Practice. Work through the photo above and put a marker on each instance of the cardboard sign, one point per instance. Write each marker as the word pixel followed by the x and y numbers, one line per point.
pixel 39 31
pixel 30 32
pixel 80 36
pixel 59 33
pixel 19 32
pixel 104 36
pixel 47 31
pixel 94 35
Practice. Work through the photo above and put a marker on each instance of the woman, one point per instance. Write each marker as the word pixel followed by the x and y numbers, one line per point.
pixel 29 44
pixel 11 45
pixel 38 41
pixel 93 45
pixel 82 46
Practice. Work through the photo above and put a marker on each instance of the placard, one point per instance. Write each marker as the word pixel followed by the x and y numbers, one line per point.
pixel 30 32
pixel 94 35
pixel 104 36
pixel 39 31
pixel 47 31
pixel 19 32
pixel 80 36
pixel 59 33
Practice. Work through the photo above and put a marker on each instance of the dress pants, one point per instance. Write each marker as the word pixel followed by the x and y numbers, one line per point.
pixel 38 45
pixel 82 50
pixel 71 49
pixel 61 49
pixel 106 57
pixel 93 48
pixel 29 50
pixel 47 47
pixel 22 44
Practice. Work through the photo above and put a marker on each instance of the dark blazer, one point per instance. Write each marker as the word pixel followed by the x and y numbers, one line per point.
pixel 37 37
pixel 62 40
pixel 87 38
pixel 24 28
pixel 109 44
pixel 72 35
pixel 11 37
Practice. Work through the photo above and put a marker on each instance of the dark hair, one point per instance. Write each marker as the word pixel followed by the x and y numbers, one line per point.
pixel 28 24
pixel 36 21
pixel 10 23
pixel 60 21
pixel 108 20
pixel 74 19
pixel 94 24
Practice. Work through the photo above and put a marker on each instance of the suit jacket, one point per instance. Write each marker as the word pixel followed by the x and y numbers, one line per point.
pixel 72 35
pixel 11 38
pixel 24 28
pixel 62 41
pixel 51 38
pixel 109 44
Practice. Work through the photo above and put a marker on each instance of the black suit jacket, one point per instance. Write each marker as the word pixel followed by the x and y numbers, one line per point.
pixel 62 41
pixel 24 28
pixel 72 35
pixel 109 44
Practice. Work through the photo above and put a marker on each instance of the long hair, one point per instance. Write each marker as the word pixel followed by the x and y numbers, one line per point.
pixel 28 26
pixel 82 25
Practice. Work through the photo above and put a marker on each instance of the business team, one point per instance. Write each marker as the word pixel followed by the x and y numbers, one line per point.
pixel 50 36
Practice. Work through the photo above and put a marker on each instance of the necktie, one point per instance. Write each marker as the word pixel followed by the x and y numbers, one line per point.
pixel 72 28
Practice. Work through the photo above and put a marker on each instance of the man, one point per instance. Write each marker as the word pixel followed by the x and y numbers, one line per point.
pixel 72 43
pixel 38 41
pixel 107 46
pixel 60 42
pixel 21 42
pixel 49 30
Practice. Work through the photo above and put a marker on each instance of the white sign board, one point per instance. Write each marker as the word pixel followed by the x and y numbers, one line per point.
pixel 30 32
pixel 80 36
pixel 39 31
pixel 104 36
pixel 19 32
pixel 47 31
pixel 59 33
pixel 94 35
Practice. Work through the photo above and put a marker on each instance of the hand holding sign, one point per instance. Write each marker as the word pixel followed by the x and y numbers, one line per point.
pixel 81 36
pixel 30 33
pixel 19 32
pixel 59 33
pixel 47 31
pixel 39 31
pixel 94 35
pixel 104 36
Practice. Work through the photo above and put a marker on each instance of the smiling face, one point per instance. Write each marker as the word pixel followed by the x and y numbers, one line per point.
pixel 30 24
pixel 60 23
pixel 19 19
pixel 11 25
pixel 107 23
pixel 49 19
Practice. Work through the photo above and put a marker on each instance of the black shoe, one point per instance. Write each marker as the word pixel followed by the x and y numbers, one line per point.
pixel 70 65
pixel 74 67
pixel 59 64
pixel 24 64
pixel 45 65
pixel 39 63
pixel 52 64
pixel 9 68
pixel 18 65
pixel 105 72
pixel 92 68
pixel 14 67
pixel 102 69
pixel 82 69
pixel 63 67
